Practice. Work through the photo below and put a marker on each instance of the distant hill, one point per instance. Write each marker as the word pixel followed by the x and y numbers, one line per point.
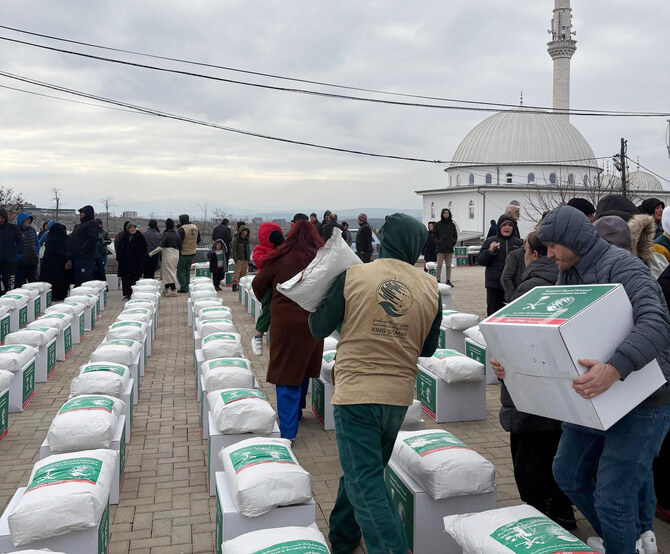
pixel 350 213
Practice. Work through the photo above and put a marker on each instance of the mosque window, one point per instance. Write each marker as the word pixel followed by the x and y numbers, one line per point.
pixel 571 179
pixel 488 179
pixel 458 179
pixel 471 209
pixel 531 178
pixel 585 180
pixel 471 179
pixel 509 178
pixel 432 210
pixel 552 178
pixel 450 176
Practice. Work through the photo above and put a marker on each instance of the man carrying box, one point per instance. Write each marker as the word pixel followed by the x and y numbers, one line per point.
pixel 607 474
pixel 390 314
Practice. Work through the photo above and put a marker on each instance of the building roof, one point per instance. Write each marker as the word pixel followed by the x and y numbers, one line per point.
pixel 523 137
pixel 641 180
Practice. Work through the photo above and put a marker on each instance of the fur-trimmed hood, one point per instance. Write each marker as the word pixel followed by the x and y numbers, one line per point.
pixel 642 230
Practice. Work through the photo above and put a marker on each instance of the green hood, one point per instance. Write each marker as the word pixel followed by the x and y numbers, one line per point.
pixel 402 237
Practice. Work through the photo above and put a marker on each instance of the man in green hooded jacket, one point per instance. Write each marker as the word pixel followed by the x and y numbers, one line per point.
pixel 389 313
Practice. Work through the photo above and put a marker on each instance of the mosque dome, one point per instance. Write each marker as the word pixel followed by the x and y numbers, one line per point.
pixel 524 137
pixel 609 180
pixel 641 180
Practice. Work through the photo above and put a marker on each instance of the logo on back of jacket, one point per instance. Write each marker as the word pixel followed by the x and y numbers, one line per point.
pixel 395 298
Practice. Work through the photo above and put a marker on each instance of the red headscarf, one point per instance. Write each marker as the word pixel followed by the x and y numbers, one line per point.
pixel 303 238
pixel 264 246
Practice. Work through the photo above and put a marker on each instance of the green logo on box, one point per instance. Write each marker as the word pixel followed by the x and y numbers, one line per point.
pixel 295 547
pixel 403 502
pixel 71 470
pixel 4 414
pixel 539 533
pixel 122 455
pixel 477 353
pixel 38 305
pixel 51 358
pixel 92 318
pixel 426 391
pixel 219 524
pixel 103 532
pixel 442 342
pixel 23 317
pixel 260 454
pixel 4 328
pixel 28 384
pixel 48 298
pixel 318 400
pixel 67 340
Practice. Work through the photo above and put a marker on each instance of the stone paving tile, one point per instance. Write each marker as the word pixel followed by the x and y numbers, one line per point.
pixel 164 505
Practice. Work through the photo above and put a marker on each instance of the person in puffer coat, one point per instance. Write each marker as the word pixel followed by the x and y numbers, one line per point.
pixel 493 254
pixel 217 262
pixel 608 474
pixel 26 265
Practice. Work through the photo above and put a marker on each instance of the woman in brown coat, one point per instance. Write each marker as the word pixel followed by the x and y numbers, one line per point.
pixel 295 355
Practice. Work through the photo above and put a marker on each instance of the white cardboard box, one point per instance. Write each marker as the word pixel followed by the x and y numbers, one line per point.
pixel 128 397
pixel 112 281
pixel 218 441
pixel 118 445
pixel 87 541
pixel 22 387
pixel 64 344
pixel 449 402
pixel 4 413
pixel 421 514
pixel 322 392
pixel 539 339
pixel 18 318
pixel 230 523
pixel 45 361
pixel 454 340
pixel 189 311
pixel 480 353
pixel 4 326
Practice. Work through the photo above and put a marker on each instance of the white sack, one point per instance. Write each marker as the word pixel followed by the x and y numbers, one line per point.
pixel 305 540
pixel 34 336
pixel 203 293
pixel 444 289
pixel 329 343
pixel 100 285
pixel 310 287
pixel 475 334
pixel 200 265
pixel 13 357
pixel 4 310
pixel 89 299
pixel 413 414
pixel 85 422
pixel 452 366
pixel 5 378
pixel 58 321
pixel 72 308
pixel 146 295
pixel 202 285
pixel 213 312
pixel 458 321
pixel 237 411
pixel 509 530
pixel 135 314
pixel 40 286
pixel 145 304
pixel 84 289
pixel 262 474
pixel 208 326
pixel 66 492
pixel 134 330
pixel 204 303
pixel 227 373
pixel 146 287
pixel 100 378
pixel 327 364
pixel 198 280
pixel 222 345
pixel 246 280
pixel 431 265
pixel 120 351
pixel 442 464
pixel 13 301
pixel 29 292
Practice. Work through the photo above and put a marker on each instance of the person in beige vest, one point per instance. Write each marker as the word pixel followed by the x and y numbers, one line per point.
pixel 389 313
pixel 190 238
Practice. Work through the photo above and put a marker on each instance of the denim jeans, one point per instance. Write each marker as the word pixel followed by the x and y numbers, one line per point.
pixel 365 436
pixel 291 401
pixel 607 473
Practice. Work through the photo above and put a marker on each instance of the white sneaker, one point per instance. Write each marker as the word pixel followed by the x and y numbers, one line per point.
pixel 257 345
pixel 596 543
pixel 648 539
pixel 639 548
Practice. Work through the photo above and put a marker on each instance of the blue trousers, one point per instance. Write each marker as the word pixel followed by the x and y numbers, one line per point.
pixel 291 401
pixel 608 475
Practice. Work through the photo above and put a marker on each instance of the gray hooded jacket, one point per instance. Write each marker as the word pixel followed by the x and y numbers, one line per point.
pixel 604 263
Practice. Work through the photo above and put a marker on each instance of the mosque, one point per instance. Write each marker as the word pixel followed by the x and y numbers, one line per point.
pixel 537 159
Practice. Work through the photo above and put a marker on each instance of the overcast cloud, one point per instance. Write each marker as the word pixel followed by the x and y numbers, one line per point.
pixel 482 50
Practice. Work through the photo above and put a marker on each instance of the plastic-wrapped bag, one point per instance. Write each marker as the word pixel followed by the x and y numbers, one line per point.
pixel 13 357
pixel 101 378
pixel 120 351
pixel 57 321
pixel 452 366
pixel 297 540
pixel 213 312
pixel 475 334
pixel 309 288
pixel 135 314
pixel 13 301
pixel 458 321
pixel 443 465
pixel 263 473
pixel 222 345
pixel 327 364
pixel 134 330
pixel 329 343
pixel 33 336
pixel 227 373
pixel 203 293
pixel 66 492
pixel 237 411
pixel 203 303
pixel 67 307
pixel 208 326
pixel 413 415
pixel 510 530
pixel 5 379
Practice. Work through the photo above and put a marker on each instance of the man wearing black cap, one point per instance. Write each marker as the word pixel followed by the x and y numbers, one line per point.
pixel 81 247
pixel 584 206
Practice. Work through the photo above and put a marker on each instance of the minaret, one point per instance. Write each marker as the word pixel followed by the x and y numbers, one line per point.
pixel 561 48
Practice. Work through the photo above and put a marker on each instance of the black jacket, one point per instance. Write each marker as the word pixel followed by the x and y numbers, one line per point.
pixel 84 239
pixel 170 239
pixel 211 255
pixel 364 238
pixel 446 235
pixel 223 232
pixel 131 253
pixel 11 241
pixel 540 273
pixel 52 268
pixel 495 262
pixel 327 229
pixel 430 248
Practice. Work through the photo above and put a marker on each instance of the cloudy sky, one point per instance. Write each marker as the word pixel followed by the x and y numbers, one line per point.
pixel 487 50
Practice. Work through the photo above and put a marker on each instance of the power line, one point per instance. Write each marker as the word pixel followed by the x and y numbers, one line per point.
pixel 295 79
pixel 648 170
pixel 338 96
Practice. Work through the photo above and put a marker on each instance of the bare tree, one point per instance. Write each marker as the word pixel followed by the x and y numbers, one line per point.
pixel 11 201
pixel 203 206
pixel 222 214
pixel 56 199
pixel 107 203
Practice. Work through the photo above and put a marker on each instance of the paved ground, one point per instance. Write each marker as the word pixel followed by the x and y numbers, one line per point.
pixel 165 507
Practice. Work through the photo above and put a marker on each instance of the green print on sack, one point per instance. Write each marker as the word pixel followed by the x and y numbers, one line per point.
pixel 260 454
pixel 329 357
pixel 106 367
pixel 295 547
pixel 235 395
pixel 228 362
pixel 72 470
pixel 219 336
pixel 433 442
pixel 124 342
pixel 126 324
pixel 538 535
pixel 88 403
pixel 443 353
pixel 13 349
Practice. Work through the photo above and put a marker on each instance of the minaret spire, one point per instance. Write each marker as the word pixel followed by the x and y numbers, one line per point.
pixel 561 48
